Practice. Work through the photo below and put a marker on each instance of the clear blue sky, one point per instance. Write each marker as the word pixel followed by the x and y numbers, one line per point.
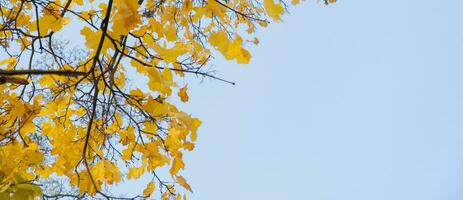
pixel 362 100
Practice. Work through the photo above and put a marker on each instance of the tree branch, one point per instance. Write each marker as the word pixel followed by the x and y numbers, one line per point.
pixel 41 72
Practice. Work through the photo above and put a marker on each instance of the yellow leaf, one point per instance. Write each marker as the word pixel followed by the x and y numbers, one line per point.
pixel 135 172
pixel 176 166
pixel 231 50
pixel 161 82
pixel 9 61
pixel 220 41
pixel 27 128
pixel 183 183
pixel 44 172
pixel 127 136
pixel 79 2
pixel 111 173
pixel 178 69
pixel 17 107
pixel 171 33
pixel 235 50
pixel 170 55
pixel 127 153
pixel 92 39
pixel 127 17
pixel 274 10
pixel 188 146
pixel 190 122
pixel 26 191
pixel 136 92
pixel 149 189
pixel 295 2
pixel 50 22
pixel 166 196
pixel 46 81
pixel 182 93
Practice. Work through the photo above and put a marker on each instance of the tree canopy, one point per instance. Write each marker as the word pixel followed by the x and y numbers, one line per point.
pixel 79 114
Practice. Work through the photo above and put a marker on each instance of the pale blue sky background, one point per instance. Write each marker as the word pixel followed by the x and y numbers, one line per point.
pixel 361 100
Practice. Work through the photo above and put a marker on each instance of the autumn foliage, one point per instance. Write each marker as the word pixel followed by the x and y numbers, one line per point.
pixel 78 114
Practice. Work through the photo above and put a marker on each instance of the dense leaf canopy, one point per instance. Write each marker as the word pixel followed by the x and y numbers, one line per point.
pixel 78 114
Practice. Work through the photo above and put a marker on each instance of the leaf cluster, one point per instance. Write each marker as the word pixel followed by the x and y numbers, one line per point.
pixel 75 114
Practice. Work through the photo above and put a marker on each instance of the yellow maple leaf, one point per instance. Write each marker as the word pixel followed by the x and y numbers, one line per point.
pixel 27 127
pixel 149 189
pixel 46 81
pixel 220 41
pixel 235 50
pixel 230 49
pixel 274 10
pixel 50 22
pixel 135 172
pixel 127 17
pixel 182 93
pixel 92 39
pixel 176 166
